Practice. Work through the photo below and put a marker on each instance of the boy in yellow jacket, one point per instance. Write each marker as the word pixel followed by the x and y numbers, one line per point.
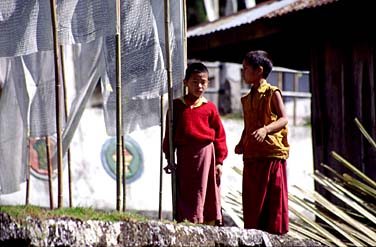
pixel 265 149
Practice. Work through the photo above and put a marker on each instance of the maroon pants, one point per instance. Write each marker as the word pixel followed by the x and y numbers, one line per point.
pixel 265 196
pixel 199 196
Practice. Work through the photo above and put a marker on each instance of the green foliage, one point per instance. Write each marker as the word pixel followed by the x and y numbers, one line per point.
pixel 196 13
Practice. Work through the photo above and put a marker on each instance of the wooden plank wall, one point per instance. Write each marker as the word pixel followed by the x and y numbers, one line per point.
pixel 343 88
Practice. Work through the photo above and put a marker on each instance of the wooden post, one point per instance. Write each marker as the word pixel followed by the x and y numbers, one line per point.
pixel 58 100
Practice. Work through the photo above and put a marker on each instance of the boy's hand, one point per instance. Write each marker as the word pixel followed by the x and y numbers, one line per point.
pixel 218 173
pixel 260 134
pixel 168 169
pixel 239 149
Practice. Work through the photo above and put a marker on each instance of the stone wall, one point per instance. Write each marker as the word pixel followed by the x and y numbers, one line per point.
pixel 73 232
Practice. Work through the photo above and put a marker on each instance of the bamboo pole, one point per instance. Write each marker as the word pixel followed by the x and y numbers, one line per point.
pixel 162 109
pixel 359 186
pixel 354 197
pixel 329 185
pixel 28 173
pixel 66 117
pixel 352 182
pixel 326 219
pixel 337 211
pixel 119 127
pixel 49 168
pixel 170 100
pixel 184 89
pixel 353 169
pixel 320 229
pixel 358 235
pixel 365 133
pixel 161 159
pixel 58 100
pixel 301 230
pixel 124 168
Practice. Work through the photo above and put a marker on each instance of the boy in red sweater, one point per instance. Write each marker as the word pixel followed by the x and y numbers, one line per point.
pixel 200 142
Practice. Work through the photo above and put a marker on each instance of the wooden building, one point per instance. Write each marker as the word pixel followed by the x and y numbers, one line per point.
pixel 335 41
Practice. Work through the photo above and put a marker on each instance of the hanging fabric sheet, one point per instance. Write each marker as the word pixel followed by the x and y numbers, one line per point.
pixel 86 29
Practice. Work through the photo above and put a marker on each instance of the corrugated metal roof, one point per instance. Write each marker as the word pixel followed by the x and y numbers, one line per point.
pixel 299 5
pixel 268 9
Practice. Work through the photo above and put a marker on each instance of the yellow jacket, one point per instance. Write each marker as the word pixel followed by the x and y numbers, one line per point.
pixel 257 114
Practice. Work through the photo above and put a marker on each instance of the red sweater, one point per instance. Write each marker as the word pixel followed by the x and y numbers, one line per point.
pixel 197 125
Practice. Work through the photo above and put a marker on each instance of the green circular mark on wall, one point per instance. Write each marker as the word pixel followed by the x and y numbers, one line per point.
pixel 132 155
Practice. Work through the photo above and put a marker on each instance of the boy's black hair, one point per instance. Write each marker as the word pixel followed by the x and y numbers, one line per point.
pixel 195 67
pixel 260 58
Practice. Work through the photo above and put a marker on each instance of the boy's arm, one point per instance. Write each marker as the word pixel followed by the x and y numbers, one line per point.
pixel 220 143
pixel 166 141
pixel 239 146
pixel 279 108
pixel 166 146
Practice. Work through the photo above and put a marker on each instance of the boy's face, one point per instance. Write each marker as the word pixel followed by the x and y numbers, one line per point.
pixel 197 84
pixel 250 74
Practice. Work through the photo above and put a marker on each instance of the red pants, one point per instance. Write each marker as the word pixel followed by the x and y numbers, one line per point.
pixel 265 196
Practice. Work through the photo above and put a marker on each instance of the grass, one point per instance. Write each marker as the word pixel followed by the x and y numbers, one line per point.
pixel 21 212
pixel 84 214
